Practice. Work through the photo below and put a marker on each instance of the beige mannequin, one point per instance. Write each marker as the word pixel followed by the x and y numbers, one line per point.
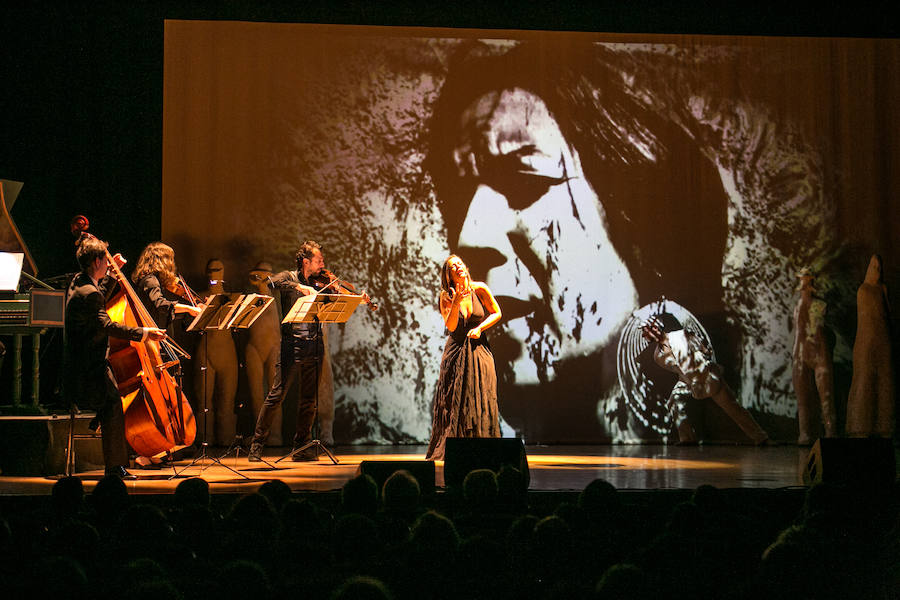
pixel 216 352
pixel 870 406
pixel 813 370
pixel 261 352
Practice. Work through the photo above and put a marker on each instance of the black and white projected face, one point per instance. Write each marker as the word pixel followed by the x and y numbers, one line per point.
pixel 579 177
pixel 535 230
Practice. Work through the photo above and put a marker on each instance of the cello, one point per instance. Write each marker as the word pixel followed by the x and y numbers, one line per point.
pixel 158 416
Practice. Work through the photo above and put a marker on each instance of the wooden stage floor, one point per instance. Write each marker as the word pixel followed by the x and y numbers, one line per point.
pixel 552 468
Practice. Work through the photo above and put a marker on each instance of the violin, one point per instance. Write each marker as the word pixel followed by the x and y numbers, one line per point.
pixel 180 288
pixel 325 280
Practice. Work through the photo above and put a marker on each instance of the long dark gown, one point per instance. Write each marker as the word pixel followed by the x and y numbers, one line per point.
pixel 465 400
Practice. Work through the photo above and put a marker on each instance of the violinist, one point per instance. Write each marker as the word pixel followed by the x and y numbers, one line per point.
pixel 159 286
pixel 301 356
pixel 87 377
pixel 165 295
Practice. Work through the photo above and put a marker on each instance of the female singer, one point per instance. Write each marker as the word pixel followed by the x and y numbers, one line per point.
pixel 465 400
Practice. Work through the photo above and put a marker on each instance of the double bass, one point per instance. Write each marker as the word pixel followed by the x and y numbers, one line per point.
pixel 158 416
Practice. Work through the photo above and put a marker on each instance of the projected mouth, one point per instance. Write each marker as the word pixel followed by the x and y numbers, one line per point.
pixel 536 311
pixel 514 308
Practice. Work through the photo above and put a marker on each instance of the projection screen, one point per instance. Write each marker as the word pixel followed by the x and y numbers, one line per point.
pixel 590 180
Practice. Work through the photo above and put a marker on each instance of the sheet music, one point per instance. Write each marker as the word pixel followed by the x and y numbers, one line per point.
pixel 324 308
pixel 251 307
pixel 10 270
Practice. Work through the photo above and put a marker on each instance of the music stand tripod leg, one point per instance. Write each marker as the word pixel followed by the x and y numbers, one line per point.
pixel 202 453
pixel 236 448
pixel 236 445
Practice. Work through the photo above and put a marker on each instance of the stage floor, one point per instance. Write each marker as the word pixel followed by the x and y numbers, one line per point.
pixel 552 468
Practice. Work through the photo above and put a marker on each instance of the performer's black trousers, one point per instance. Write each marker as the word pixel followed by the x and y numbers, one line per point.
pixel 304 364
pixel 112 424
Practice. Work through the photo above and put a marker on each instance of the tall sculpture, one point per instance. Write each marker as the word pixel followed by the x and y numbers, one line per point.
pixel 216 370
pixel 261 352
pixel 813 368
pixel 870 406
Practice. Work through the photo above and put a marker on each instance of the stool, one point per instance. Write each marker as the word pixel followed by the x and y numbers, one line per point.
pixel 70 444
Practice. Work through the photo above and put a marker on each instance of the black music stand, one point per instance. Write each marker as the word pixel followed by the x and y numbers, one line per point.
pixel 243 317
pixel 219 312
pixel 320 309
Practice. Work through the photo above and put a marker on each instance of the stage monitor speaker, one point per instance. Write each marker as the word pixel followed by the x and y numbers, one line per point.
pixel 380 470
pixel 859 462
pixel 462 455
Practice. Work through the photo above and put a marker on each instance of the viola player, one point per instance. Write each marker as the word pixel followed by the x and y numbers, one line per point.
pixel 156 281
pixel 160 290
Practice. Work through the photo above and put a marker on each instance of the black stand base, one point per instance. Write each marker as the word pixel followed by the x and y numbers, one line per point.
pixel 310 444
pixel 201 456
pixel 237 444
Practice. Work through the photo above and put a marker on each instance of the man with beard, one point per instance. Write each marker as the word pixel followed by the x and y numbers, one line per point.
pixel 301 358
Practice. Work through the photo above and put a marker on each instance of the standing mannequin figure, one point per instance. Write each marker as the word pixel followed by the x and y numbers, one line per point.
pixel 870 406
pixel 261 353
pixel 813 369
pixel 216 352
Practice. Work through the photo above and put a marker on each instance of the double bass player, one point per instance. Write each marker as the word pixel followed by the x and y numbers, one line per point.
pixel 88 379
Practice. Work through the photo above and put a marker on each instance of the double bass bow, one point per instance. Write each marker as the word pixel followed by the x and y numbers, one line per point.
pixel 158 416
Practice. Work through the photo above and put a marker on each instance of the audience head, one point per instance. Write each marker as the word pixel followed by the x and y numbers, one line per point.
pixel 355 539
pixel 685 519
pixel 480 489
pixel 277 491
pixel 300 517
pixel 193 491
pixel 435 535
pixel 708 498
pixel 623 581
pixel 110 498
pixel 252 526
pixel 512 488
pixel 360 495
pixel 241 578
pixel 401 492
pixel 553 536
pixel 58 577
pixel 143 530
pixel 361 587
pixel 599 497
pixel 67 496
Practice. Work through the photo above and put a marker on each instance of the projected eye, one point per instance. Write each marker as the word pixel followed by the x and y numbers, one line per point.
pixel 521 190
pixel 523 177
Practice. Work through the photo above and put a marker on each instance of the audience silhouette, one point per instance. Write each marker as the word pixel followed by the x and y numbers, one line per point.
pixel 492 541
